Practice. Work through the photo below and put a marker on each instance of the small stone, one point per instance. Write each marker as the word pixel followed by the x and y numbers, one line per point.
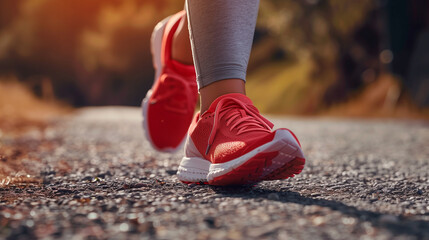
pixel 138 185
pixel 388 219
pixel 104 174
pixel 348 220
pixel 319 220
pixel 210 221
pixel 132 216
pixel 273 196
pixel 99 197
pixel 87 178
pixel 29 223
pixel 171 172
pixel 92 216
pixel 63 191
pixel 124 227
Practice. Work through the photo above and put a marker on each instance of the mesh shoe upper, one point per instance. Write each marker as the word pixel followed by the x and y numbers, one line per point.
pixel 230 128
pixel 173 97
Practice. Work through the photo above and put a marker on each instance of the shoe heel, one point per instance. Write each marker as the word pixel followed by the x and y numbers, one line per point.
pixel 156 46
pixel 193 170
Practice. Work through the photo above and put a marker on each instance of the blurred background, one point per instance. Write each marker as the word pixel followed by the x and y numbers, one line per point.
pixel 363 58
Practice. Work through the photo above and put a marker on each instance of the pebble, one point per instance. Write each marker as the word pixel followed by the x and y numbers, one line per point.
pixel 388 219
pixel 273 196
pixel 124 227
pixel 92 216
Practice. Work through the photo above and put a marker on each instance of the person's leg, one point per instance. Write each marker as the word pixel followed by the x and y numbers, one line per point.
pixel 181 45
pixel 229 142
pixel 221 33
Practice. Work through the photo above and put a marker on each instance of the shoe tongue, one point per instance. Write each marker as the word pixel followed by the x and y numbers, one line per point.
pixel 241 97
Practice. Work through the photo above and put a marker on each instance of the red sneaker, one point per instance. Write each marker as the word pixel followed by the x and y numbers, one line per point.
pixel 169 106
pixel 231 143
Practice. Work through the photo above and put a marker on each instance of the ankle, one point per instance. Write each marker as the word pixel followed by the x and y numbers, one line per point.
pixel 181 46
pixel 214 90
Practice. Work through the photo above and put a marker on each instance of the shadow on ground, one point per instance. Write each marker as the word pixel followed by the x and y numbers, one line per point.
pixel 397 225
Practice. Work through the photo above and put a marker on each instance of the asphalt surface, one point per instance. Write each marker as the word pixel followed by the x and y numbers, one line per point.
pixel 95 177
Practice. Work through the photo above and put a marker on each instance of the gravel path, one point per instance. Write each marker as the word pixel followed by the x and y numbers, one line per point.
pixel 97 178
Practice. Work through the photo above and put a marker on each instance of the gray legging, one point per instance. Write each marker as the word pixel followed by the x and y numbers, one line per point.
pixel 221 33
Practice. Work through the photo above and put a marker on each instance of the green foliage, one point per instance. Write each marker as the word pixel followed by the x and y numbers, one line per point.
pixel 97 52
pixel 314 34
pixel 315 28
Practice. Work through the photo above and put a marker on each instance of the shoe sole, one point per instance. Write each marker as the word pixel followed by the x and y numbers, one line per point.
pixel 278 159
pixel 252 171
pixel 193 170
pixel 156 49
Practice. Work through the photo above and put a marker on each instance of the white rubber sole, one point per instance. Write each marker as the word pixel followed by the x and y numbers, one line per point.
pixel 198 169
pixel 193 170
pixel 156 49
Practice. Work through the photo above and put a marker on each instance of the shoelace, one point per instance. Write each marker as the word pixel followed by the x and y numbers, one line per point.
pixel 238 115
pixel 175 84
